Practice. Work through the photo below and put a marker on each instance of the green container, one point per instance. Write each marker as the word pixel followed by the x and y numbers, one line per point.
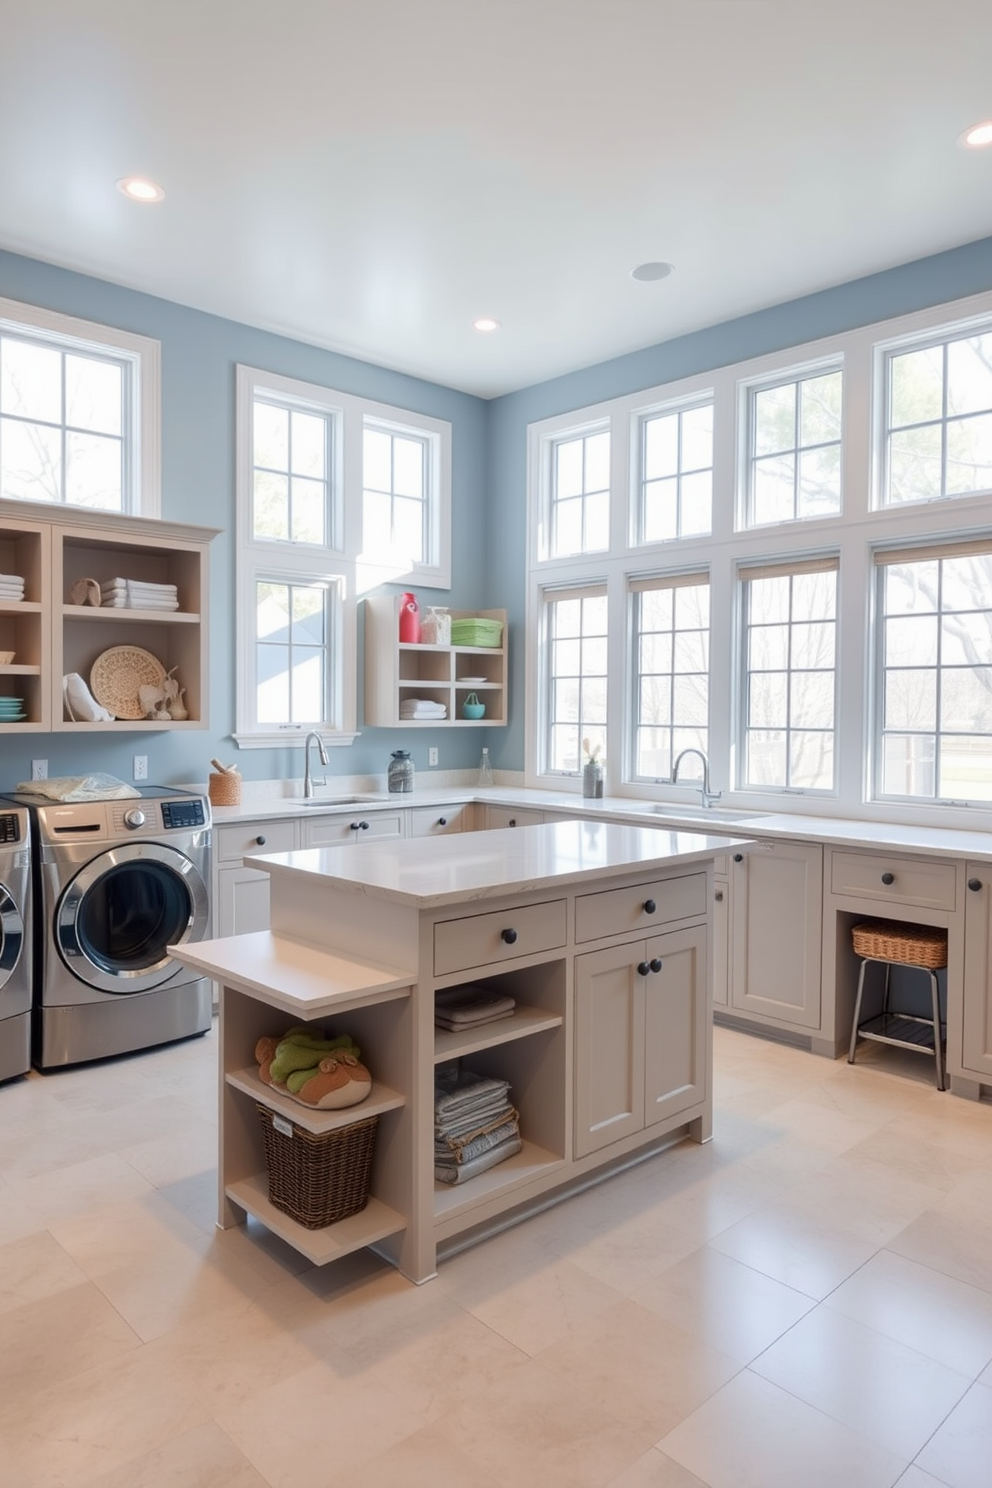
pixel 476 631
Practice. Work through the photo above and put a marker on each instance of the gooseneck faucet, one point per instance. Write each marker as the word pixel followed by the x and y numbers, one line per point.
pixel 307 777
pixel 704 790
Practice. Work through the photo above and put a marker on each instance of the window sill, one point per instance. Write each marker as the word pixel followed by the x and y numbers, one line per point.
pixel 290 738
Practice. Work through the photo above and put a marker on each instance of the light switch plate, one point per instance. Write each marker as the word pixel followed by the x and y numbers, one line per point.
pixel 141 767
pixel 432 756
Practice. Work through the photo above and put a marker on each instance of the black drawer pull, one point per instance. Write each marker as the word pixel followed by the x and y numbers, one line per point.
pixel 718 896
pixel 509 935
pixel 738 857
pixel 260 841
pixel 643 968
pixel 974 884
pixel 442 821
pixel 361 826
pixel 512 822
pixel 649 906
pixel 888 878
pixel 656 963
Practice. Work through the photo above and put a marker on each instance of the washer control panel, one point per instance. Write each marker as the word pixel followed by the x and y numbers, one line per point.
pixel 9 828
pixel 183 814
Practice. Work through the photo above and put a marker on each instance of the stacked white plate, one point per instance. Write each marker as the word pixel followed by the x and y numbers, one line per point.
pixel 12 710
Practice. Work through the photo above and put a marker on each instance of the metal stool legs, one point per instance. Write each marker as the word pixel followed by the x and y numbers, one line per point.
pixel 887 1038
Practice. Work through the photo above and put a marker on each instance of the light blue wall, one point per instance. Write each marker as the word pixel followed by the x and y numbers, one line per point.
pixel 914 286
pixel 199 355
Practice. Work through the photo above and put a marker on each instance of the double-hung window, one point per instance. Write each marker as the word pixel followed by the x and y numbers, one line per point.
pixel 789 614
pixel 676 470
pixel 576 675
pixel 938 428
pixel 336 495
pixel 579 494
pixel 934 647
pixel 670 629
pixel 79 413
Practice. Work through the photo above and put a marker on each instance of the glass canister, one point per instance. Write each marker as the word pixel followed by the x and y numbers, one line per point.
pixel 399 776
pixel 485 770
pixel 435 627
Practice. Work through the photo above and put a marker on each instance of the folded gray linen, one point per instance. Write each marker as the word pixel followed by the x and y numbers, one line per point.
pixel 450 1021
pixel 465 1150
pixel 470 1126
pixel 461 1173
pixel 455 1088
pixel 463 1006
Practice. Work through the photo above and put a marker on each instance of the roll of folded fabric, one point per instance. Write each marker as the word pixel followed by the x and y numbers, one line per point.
pixel 467 1007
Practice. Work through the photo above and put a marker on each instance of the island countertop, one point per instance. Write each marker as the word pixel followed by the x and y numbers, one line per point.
pixel 488 865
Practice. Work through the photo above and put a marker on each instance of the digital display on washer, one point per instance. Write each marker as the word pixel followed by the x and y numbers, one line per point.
pixel 182 814
pixel 8 828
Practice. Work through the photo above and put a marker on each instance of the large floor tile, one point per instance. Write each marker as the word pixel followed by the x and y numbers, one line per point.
pixel 752 1434
pixel 882 1389
pixel 656 1470
pixel 930 1312
pixel 201 1458
pixel 794 1248
pixel 960 1452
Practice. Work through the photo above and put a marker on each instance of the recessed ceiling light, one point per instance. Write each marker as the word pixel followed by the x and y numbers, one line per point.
pixel 977 136
pixel 140 189
pixel 646 272
pixel 485 323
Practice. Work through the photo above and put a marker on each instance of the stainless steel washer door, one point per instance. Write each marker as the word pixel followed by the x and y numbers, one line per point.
pixel 118 915
pixel 11 935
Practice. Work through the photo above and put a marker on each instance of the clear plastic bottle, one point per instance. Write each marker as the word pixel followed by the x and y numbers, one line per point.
pixel 485 770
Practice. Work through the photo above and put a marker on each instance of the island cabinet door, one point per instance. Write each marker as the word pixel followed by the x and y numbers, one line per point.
pixel 777 913
pixel 609 1046
pixel 676 1023
pixel 976 1052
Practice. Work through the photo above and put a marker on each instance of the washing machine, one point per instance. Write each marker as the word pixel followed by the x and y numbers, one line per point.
pixel 15 941
pixel 115 884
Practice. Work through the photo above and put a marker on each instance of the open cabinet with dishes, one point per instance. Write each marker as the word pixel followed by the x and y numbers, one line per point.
pixel 111 631
pixel 426 684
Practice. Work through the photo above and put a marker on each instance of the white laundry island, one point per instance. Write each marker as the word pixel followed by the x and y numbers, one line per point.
pixel 599 932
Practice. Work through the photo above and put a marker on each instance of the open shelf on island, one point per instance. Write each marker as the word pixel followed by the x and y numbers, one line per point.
pixel 451 1200
pixel 525 1021
pixel 379 1099
pixel 370 1224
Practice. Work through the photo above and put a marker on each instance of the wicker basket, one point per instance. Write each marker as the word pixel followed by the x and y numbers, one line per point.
pixel 224 790
pixel 905 945
pixel 476 631
pixel 317 1179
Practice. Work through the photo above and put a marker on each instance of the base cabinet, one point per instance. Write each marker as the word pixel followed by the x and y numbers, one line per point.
pixel 976 1042
pixel 641 1012
pixel 776 934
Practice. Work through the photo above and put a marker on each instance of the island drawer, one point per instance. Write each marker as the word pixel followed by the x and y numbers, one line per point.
pixel 618 911
pixel 250 838
pixel 485 939
pixel 434 821
pixel 892 879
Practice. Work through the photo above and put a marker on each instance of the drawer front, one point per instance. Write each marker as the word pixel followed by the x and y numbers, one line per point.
pixel 619 911
pixel 237 842
pixel 434 821
pixel 483 940
pixel 920 881
pixel 513 816
pixel 333 831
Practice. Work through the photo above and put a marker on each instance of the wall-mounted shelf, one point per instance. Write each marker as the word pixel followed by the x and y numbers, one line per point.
pixel 396 672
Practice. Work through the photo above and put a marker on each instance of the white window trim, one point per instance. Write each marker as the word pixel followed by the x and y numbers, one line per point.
pixel 746 388
pixel 701 399
pixel 143 485
pixel 853 533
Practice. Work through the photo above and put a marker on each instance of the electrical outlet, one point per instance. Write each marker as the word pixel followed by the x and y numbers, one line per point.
pixel 39 769
pixel 141 767
pixel 432 756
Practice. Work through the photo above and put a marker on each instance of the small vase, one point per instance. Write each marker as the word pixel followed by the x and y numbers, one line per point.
pixel 399 776
pixel 592 780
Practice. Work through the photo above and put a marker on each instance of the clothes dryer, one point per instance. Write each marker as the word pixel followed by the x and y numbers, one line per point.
pixel 15 941
pixel 116 883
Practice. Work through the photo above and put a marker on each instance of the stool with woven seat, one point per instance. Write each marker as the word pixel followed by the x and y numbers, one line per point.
pixel 921 948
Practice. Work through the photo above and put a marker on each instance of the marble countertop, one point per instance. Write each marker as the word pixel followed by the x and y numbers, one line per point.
pixel 430 873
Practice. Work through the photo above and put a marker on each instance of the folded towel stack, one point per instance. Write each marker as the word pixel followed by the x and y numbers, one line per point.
pixel 467 1007
pixel 422 708
pixel 138 594
pixel 11 586
pixel 475 1126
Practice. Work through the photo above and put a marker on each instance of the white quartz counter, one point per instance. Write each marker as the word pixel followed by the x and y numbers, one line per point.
pixel 483 865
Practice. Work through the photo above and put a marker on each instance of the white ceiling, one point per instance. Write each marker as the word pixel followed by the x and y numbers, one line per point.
pixel 371 175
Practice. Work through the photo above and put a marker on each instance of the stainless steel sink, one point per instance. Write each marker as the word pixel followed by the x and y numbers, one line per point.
pixel 329 800
pixel 708 813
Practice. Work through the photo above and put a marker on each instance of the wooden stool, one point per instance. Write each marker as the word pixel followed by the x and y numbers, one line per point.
pixel 920 947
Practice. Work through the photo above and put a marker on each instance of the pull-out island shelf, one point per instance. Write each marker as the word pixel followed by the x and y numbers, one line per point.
pixel 601 934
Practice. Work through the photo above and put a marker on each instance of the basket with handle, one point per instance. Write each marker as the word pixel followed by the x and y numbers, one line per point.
pixel 900 943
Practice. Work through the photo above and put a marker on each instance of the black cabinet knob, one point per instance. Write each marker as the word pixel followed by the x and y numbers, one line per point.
pixel 364 826
pixel 649 906
pixel 888 878
pixel 512 822
pixel 509 935
pixel 360 826
pixel 738 857
pixel 718 896
pixel 260 841
pixel 656 963
pixel 974 884
pixel 442 821
pixel 643 968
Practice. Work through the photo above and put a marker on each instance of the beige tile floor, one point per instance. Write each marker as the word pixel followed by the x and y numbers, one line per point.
pixel 804 1303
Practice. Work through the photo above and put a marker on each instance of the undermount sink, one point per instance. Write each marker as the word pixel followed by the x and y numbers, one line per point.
pixel 708 813
pixel 330 800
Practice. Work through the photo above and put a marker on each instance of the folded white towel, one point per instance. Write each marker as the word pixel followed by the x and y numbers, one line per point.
pixel 144 584
pixel 422 708
pixel 12 579
pixel 136 602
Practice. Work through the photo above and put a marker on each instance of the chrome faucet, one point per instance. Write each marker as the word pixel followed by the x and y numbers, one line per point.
pixel 307 777
pixel 704 790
